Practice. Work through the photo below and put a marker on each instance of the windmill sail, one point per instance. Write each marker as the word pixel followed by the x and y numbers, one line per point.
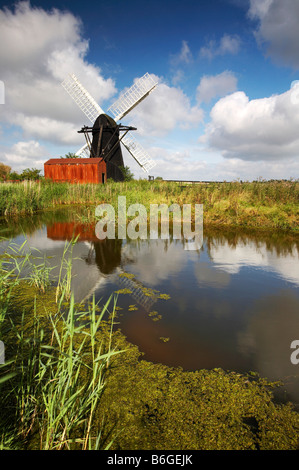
pixel 83 152
pixel 133 96
pixel 134 148
pixel 138 152
pixel 84 100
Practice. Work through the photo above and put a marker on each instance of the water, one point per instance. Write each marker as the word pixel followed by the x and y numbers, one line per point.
pixel 234 304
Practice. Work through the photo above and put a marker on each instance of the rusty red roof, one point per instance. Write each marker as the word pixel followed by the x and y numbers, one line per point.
pixel 67 161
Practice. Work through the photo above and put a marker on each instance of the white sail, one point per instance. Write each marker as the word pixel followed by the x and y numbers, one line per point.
pixel 138 152
pixel 133 96
pixel 81 96
pixel 83 152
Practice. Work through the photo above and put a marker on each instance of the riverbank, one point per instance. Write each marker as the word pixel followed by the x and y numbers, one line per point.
pixel 137 405
pixel 263 205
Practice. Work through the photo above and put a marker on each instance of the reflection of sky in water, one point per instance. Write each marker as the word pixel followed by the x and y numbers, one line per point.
pixel 250 254
pixel 231 306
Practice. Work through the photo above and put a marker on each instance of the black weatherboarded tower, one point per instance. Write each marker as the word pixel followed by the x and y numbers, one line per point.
pixel 106 144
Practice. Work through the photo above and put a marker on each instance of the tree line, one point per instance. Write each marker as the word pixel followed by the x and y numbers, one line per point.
pixel 28 174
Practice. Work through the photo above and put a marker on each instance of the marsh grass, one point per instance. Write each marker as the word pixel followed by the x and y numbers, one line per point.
pixel 41 275
pixel 52 383
pixel 11 266
pixel 264 204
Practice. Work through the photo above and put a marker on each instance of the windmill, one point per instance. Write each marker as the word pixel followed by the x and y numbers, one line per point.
pixel 107 135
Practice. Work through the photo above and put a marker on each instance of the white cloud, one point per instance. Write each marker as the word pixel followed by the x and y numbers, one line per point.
pixel 259 8
pixel 228 44
pixel 246 254
pixel 157 256
pixel 212 86
pixel 261 129
pixel 41 48
pixel 278 28
pixel 26 154
pixel 232 169
pixel 178 165
pixel 49 130
pixel 164 109
pixel 177 61
pixel 31 33
pixel 184 56
pixel 178 77
pixel 199 164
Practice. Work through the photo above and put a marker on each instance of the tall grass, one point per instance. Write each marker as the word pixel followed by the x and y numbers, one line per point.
pixel 11 267
pixel 54 378
pixel 269 204
pixel 63 288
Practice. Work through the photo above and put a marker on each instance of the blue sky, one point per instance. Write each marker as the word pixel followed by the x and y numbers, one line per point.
pixel 227 103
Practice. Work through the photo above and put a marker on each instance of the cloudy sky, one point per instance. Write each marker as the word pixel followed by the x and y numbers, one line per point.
pixel 227 103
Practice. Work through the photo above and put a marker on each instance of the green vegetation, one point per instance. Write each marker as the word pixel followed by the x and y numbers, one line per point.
pixel 54 374
pixel 128 175
pixel 72 381
pixel 4 171
pixel 154 407
pixel 271 205
pixel 64 387
pixel 28 174
pixel 70 155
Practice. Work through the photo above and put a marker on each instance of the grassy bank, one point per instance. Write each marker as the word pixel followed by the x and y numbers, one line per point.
pixel 265 205
pixel 63 386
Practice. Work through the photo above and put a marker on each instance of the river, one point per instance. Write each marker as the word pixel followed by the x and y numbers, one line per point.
pixel 233 304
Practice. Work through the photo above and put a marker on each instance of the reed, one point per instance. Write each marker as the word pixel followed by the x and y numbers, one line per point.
pixel 52 384
pixel 41 275
pixel 12 264
pixel 268 204
pixel 70 381
pixel 63 288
